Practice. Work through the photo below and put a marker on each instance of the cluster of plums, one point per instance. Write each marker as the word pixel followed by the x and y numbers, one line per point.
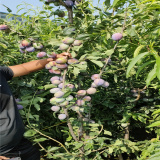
pixel 68 41
pixel 60 64
pixel 28 46
pixel 82 96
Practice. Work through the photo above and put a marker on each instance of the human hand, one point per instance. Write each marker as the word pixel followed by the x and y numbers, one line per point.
pixel 3 158
pixel 64 54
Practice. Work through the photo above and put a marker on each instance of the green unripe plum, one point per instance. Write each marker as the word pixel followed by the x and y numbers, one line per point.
pixel 75 108
pixel 61 60
pixel 80 102
pixel 69 98
pixel 37 45
pixel 91 91
pixel 62 116
pixel 54 90
pixel 55 108
pixel 68 40
pixel 59 94
pixel 77 43
pixel 63 104
pixel 59 100
pixel 53 100
pixel 63 46
pixel 81 93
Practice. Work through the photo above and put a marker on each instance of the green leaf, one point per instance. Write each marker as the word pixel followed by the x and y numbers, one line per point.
pixel 54 42
pixel 158 67
pixel 3 45
pixel 114 3
pixel 49 86
pixel 155 112
pixel 138 49
pixel 151 76
pixel 134 61
pixel 143 66
pixel 30 133
pixel 99 63
pixel 115 78
pixel 76 71
pixel 40 140
pixel 109 52
pixel 37 106
pixel 155 124
pixel 83 36
pixel 107 133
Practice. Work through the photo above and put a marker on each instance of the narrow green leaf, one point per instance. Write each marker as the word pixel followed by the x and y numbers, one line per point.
pixel 151 76
pixel 155 124
pixel 138 49
pixel 99 63
pixel 114 3
pixel 143 66
pixel 158 67
pixel 107 133
pixel 155 112
pixel 109 52
pixel 134 61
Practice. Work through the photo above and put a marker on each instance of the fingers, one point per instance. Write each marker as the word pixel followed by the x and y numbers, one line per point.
pixel 64 54
pixel 3 158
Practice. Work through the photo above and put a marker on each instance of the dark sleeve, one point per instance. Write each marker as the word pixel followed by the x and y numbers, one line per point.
pixel 7 72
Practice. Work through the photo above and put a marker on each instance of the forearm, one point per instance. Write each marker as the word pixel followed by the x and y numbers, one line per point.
pixel 32 66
